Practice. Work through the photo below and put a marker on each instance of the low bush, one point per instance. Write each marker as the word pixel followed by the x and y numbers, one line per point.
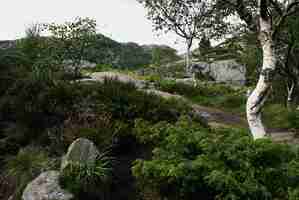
pixel 91 179
pixel 188 90
pixel 190 162
pixel 56 113
pixel 278 116
pixel 293 119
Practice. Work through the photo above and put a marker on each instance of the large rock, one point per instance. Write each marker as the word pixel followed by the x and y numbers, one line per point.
pixel 6 44
pixel 226 71
pixel 80 151
pixel 101 76
pixel 46 187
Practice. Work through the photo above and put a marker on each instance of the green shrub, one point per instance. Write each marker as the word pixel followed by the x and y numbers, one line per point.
pixel 190 162
pixel 79 110
pixel 90 179
pixel 187 90
pixel 25 166
pixel 178 88
pixel 293 119
pixel 276 116
pixel 125 102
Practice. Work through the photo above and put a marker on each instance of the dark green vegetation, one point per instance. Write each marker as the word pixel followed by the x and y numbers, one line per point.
pixel 43 110
pixel 84 180
pixel 212 95
pixel 190 161
pixel 173 155
pixel 154 148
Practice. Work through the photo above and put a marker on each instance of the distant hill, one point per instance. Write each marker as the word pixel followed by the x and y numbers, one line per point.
pixel 125 55
pixel 110 52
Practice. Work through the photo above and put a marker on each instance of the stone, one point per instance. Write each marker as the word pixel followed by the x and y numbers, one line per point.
pixel 7 44
pixel 81 151
pixel 222 71
pixel 46 187
pixel 101 76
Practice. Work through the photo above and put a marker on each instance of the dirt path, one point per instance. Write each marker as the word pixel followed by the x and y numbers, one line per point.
pixel 214 115
pixel 219 118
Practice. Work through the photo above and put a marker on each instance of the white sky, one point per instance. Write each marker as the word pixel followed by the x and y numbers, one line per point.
pixel 122 20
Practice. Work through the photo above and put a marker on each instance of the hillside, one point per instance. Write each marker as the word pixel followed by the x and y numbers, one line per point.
pixel 122 55
pixel 108 52
pixel 150 145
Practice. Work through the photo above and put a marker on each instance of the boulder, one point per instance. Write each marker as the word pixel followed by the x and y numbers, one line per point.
pixel 7 44
pixel 101 76
pixel 80 151
pixel 225 71
pixel 46 187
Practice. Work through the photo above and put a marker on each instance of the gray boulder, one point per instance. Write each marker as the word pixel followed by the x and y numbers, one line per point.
pixel 46 187
pixel 81 151
pixel 7 44
pixel 101 76
pixel 226 71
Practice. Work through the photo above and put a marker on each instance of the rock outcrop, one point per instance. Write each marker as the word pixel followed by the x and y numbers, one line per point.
pixel 101 76
pixel 81 151
pixel 46 187
pixel 226 71
pixel 6 44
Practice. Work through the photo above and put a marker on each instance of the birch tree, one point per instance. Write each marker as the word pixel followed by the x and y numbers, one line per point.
pixel 189 19
pixel 265 17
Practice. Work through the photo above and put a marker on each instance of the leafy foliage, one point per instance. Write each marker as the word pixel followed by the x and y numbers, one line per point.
pixel 190 161
pixel 87 178
pixel 70 40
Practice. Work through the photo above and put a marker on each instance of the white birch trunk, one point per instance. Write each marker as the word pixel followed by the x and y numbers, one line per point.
pixel 188 53
pixel 260 94
pixel 290 89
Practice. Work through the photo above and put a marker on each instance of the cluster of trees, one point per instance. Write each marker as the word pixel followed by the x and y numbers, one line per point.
pixel 272 21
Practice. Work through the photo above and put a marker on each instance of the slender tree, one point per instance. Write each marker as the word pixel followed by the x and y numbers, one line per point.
pixel 266 18
pixel 71 40
pixel 189 19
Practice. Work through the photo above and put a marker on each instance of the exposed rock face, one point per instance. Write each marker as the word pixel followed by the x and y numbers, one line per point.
pixel 101 76
pixel 6 44
pixel 227 71
pixel 80 151
pixel 84 64
pixel 46 187
pixel 165 95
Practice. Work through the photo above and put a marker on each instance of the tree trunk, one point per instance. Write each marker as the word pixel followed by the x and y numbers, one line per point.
pixel 260 94
pixel 290 89
pixel 188 53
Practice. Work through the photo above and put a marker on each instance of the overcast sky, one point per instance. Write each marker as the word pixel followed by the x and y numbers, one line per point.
pixel 122 20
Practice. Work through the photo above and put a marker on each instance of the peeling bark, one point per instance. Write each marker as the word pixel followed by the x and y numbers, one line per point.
pixel 260 94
